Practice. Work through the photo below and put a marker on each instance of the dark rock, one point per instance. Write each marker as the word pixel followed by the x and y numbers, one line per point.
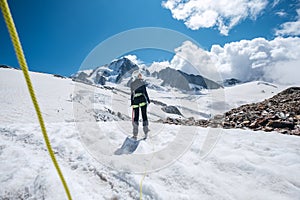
pixel 281 113
pixel 183 81
pixel 82 77
pixel 231 82
pixel 268 129
pixel 171 109
pixel 281 124
pixel 263 122
pixel 100 79
pixel 59 76
pixel 254 125
pixel 158 103
pixel 173 78
pixel 7 67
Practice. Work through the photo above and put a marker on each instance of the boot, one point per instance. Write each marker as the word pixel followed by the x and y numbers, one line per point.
pixel 134 137
pixel 146 130
pixel 135 129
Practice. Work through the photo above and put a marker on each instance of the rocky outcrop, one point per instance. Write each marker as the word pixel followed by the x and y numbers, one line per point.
pixel 81 77
pixel 100 79
pixel 280 113
pixel 173 78
pixel 158 102
pixel 187 122
pixel 183 81
pixel 171 109
pixel 7 67
pixel 231 82
pixel 59 76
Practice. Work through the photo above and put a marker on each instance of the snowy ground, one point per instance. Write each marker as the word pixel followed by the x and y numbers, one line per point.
pixel 180 162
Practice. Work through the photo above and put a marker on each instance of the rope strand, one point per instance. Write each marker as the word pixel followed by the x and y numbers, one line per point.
pixel 22 62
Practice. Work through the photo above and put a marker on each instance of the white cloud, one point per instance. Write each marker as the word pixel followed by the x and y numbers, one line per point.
pixel 134 59
pixel 290 28
pixel 247 59
pixel 281 13
pixel 223 14
pixel 284 72
pixel 277 60
pixel 275 3
pixel 157 66
pixel 191 59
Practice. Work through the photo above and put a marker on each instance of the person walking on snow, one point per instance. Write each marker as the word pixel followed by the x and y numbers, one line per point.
pixel 139 99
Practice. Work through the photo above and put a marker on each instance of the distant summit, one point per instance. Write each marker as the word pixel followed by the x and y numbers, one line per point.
pixel 184 81
pixel 121 69
pixel 7 67
pixel 113 72
pixel 231 82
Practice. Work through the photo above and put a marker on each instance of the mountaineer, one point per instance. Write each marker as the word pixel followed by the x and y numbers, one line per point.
pixel 139 100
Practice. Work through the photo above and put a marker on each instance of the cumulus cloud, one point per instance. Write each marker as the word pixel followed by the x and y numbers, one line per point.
pixel 247 59
pixel 277 60
pixel 191 59
pixel 284 72
pixel 223 14
pixel 134 59
pixel 158 66
pixel 290 28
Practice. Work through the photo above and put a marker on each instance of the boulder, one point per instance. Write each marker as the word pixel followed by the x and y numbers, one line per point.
pixel 171 110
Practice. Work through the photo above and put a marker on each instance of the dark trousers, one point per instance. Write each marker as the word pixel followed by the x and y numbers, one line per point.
pixel 136 115
pixel 136 112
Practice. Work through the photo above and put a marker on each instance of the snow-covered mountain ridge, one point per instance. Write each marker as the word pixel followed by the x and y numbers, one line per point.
pixel 121 69
pixel 113 72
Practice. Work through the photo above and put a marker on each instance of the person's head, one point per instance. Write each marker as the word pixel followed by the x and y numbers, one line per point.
pixel 140 76
pixel 137 74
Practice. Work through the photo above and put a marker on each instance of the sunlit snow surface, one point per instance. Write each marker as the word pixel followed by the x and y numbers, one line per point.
pixel 211 163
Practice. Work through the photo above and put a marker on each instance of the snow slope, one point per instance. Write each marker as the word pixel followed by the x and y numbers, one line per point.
pixel 180 162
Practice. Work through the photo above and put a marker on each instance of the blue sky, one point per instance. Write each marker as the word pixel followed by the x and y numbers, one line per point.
pixel 57 35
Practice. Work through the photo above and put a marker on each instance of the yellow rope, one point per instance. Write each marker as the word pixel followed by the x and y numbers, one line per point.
pixel 141 185
pixel 22 62
pixel 146 172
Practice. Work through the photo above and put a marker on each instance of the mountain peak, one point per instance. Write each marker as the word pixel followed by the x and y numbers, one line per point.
pixel 113 72
pixel 122 68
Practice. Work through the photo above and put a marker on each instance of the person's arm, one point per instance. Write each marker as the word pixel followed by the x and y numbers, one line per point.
pixel 131 98
pixel 132 95
pixel 146 94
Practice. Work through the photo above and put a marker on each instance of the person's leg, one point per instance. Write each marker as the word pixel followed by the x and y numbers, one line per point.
pixel 145 120
pixel 135 123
